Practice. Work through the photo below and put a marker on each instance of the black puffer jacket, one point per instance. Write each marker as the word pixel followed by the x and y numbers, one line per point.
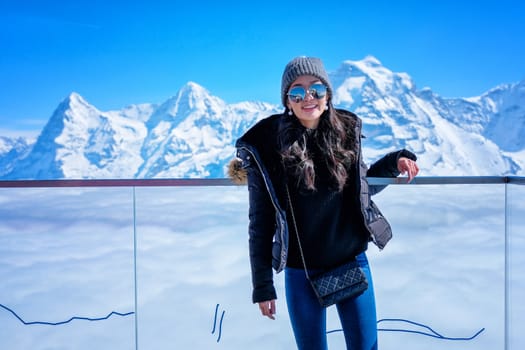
pixel 258 164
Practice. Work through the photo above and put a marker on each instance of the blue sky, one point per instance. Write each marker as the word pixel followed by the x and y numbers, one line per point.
pixel 116 53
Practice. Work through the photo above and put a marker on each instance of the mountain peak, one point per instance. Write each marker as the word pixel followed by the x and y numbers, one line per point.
pixel 364 65
pixel 193 94
pixel 371 61
pixel 191 98
pixel 372 67
pixel 364 77
pixel 74 98
pixel 193 86
pixel 73 102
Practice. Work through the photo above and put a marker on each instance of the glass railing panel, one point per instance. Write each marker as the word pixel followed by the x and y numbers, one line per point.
pixel 66 264
pixel 516 262
pixel 442 276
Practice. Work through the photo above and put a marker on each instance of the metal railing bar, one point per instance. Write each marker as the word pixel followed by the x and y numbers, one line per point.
pixel 439 180
pixel 520 180
pixel 117 183
pixel 180 182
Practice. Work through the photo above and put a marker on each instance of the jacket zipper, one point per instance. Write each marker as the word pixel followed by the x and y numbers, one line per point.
pixel 282 260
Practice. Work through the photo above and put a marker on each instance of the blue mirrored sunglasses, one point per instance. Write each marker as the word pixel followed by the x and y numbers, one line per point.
pixel 298 93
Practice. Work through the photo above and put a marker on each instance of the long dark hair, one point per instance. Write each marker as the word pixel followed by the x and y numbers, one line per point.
pixel 335 138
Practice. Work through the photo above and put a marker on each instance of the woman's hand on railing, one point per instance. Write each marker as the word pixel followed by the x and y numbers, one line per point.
pixel 408 166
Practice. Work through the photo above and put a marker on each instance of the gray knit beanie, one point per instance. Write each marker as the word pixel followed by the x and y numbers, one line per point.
pixel 303 66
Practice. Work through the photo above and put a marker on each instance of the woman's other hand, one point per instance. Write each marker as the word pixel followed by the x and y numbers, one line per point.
pixel 268 308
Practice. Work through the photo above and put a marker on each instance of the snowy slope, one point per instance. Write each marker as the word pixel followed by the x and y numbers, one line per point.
pixel 11 150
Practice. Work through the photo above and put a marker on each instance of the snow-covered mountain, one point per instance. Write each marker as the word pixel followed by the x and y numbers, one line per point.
pixel 452 136
pixel 11 150
pixel 192 134
pixel 79 141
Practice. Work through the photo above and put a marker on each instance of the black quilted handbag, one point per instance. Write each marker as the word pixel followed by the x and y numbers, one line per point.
pixel 343 282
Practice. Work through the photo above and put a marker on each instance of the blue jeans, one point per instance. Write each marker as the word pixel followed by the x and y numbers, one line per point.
pixel 308 318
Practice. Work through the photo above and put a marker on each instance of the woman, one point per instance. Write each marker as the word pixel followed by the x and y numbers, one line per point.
pixel 310 207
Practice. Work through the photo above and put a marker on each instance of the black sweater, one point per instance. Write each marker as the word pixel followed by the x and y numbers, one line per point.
pixel 324 220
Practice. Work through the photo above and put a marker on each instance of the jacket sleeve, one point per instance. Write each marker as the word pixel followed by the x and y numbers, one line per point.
pixel 387 167
pixel 261 230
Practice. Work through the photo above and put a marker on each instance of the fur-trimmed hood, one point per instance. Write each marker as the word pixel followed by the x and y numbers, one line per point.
pixel 236 173
pixel 260 139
